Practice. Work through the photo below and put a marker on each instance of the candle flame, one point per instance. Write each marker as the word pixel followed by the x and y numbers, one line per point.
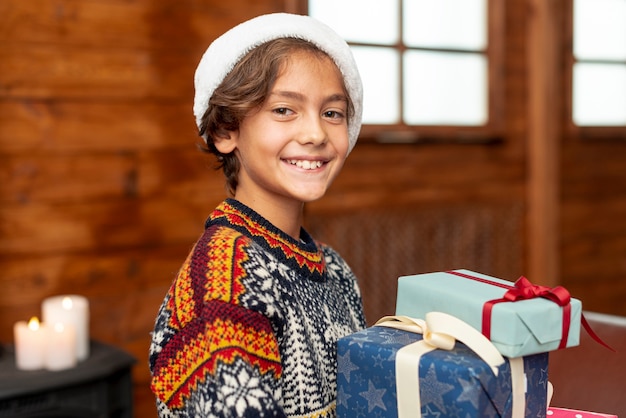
pixel 33 323
pixel 67 303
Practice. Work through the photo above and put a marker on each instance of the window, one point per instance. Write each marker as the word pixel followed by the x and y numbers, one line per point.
pixel 429 67
pixel 598 78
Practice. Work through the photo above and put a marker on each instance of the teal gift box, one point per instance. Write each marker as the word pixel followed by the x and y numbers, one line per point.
pixel 538 320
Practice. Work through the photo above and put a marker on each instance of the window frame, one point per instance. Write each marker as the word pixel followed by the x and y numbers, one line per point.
pixel 490 132
pixel 583 132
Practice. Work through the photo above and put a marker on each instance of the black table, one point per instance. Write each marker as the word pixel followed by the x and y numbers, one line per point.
pixel 100 386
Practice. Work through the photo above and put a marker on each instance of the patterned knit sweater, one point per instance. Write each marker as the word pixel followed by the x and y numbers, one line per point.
pixel 250 324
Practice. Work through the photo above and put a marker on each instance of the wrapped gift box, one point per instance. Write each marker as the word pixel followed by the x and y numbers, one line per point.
pixel 451 383
pixel 571 413
pixel 518 328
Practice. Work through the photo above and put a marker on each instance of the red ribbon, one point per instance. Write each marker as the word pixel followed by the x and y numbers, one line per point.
pixel 523 289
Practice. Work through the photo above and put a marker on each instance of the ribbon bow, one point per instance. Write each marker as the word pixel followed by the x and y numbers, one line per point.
pixel 441 331
pixel 523 289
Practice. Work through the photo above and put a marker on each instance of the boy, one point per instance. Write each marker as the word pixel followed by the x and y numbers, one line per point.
pixel 250 324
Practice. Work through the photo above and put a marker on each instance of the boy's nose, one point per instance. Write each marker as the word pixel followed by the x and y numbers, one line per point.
pixel 312 131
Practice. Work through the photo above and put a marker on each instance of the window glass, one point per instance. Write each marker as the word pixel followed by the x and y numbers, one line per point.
pixel 600 29
pixel 455 24
pixel 363 21
pixel 423 62
pixel 599 94
pixel 445 89
pixel 599 69
pixel 379 68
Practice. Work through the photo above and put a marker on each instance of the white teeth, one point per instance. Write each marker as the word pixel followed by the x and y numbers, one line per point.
pixel 306 164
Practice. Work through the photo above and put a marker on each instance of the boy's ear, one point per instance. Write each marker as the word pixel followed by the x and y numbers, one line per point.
pixel 226 142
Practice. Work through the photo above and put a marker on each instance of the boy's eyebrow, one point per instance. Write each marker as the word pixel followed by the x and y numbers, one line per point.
pixel 301 97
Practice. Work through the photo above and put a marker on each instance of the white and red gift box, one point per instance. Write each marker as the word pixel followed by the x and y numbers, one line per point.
pixel 572 413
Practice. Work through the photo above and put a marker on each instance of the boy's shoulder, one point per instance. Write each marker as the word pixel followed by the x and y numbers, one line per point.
pixel 221 237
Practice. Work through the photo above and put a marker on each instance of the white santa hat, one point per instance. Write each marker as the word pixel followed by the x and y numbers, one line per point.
pixel 222 55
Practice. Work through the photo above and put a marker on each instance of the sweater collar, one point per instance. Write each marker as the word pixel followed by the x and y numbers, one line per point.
pixel 304 255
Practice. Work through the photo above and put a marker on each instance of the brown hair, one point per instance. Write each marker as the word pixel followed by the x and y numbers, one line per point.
pixel 244 89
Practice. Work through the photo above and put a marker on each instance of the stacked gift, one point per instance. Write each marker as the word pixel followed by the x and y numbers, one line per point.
pixel 519 318
pixel 570 413
pixel 521 321
pixel 377 378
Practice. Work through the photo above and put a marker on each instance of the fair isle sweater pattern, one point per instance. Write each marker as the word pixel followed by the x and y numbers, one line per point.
pixel 249 326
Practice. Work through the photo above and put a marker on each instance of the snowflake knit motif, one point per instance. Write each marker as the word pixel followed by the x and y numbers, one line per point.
pixel 250 324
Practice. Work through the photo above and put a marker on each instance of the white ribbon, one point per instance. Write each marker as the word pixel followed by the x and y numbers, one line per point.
pixel 441 331
pixel 550 392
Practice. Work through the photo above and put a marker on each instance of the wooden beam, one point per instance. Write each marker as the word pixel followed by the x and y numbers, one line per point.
pixel 543 140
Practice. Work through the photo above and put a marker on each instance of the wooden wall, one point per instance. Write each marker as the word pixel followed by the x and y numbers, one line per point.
pixel 102 191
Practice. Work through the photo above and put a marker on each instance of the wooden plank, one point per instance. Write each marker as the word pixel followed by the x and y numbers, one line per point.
pixel 606 296
pixel 111 22
pixel 604 217
pixel 85 177
pixel 339 200
pixel 431 167
pixel 72 178
pixel 94 73
pixel 131 24
pixel 144 403
pixel 185 175
pixel 543 30
pixel 40 228
pixel 593 171
pixel 598 257
pixel 596 189
pixel 411 175
pixel 33 126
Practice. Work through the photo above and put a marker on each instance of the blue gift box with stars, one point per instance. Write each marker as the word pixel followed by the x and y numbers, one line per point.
pixel 453 383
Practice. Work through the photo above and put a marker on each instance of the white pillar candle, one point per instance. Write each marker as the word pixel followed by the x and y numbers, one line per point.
pixel 74 310
pixel 29 344
pixel 60 346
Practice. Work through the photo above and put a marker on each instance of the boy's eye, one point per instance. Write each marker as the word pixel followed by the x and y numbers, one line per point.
pixel 333 114
pixel 282 111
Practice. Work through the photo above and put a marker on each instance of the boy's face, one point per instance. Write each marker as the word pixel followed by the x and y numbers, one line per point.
pixel 294 146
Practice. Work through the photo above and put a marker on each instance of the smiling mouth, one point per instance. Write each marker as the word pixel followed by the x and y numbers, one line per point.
pixel 306 164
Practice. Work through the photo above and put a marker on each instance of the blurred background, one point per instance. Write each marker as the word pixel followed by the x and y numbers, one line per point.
pixel 494 140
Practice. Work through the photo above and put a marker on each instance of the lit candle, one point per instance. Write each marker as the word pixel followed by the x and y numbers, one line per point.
pixel 29 344
pixel 60 346
pixel 73 310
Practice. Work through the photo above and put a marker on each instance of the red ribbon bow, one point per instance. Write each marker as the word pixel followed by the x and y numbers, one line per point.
pixel 523 289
